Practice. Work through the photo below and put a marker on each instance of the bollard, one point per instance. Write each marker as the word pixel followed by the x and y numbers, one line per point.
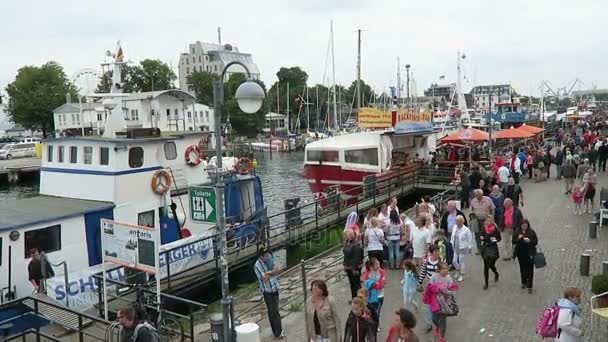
pixel 304 291
pixel 585 264
pixel 248 332
pixel 592 229
pixel 605 267
pixel 216 329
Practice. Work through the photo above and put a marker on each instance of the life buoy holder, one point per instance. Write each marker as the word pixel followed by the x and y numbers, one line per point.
pixel 244 166
pixel 198 155
pixel 161 182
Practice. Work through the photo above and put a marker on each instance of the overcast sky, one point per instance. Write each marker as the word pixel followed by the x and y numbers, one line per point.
pixel 517 41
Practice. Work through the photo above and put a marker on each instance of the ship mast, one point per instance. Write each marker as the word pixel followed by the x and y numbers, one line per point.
pixel 462 104
pixel 333 67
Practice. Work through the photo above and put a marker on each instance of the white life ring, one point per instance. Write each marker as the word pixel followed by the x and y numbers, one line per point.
pixel 194 155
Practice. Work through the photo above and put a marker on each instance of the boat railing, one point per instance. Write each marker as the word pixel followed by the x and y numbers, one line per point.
pixel 64 265
pixel 25 336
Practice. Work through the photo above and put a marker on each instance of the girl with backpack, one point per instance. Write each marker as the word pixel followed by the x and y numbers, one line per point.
pixel 570 317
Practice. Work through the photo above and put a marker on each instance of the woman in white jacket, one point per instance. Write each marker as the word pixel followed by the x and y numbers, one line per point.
pixel 462 242
pixel 570 318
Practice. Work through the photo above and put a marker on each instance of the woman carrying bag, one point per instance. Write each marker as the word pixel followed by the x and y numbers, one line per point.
pixel 490 237
pixel 525 241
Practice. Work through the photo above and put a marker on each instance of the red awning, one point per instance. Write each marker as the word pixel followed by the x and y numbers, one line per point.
pixel 513 133
pixel 531 129
pixel 466 134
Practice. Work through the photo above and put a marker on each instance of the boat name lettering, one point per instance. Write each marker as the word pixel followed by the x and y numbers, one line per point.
pixel 141 234
pixel 84 284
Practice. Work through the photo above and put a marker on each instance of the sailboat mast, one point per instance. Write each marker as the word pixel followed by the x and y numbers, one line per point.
pixel 333 71
pixel 307 111
pixel 398 79
pixel 358 70
pixel 288 124
pixel 318 115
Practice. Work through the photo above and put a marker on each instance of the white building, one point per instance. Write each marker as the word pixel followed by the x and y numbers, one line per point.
pixel 213 58
pixel 169 110
pixel 500 93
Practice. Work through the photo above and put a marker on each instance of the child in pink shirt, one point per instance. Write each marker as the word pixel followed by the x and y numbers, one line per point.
pixel 577 198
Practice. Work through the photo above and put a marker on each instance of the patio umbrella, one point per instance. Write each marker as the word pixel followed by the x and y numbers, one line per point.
pixel 466 134
pixel 532 129
pixel 513 133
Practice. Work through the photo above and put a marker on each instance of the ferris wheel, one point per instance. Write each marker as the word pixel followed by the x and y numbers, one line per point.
pixel 85 81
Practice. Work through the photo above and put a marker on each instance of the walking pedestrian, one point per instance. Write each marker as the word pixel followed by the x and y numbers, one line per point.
pixel 394 233
pixel 429 267
pixel 568 172
pixel 421 239
pixel 402 329
pixel 530 165
pixel 374 240
pixel 367 221
pixel 462 241
pixel 514 192
pixel 503 176
pixel 577 199
pixel 360 327
pixel 441 284
pixel 512 219
pixel 352 223
pixel 374 281
pixel 570 319
pixel 490 238
pixel 446 250
pixel 498 199
pixel 353 261
pixel 603 155
pixel 266 271
pixel 589 184
pixel 323 318
pixel 409 284
pixel 525 241
pixel 515 167
pixel 448 219
pixel 465 193
pixel 481 207
pixel 559 160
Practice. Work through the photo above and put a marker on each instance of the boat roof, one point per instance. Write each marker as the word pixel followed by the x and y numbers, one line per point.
pixel 353 140
pixel 41 209
pixel 165 136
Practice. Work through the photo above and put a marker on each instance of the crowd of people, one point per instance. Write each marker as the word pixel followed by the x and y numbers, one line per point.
pixel 432 248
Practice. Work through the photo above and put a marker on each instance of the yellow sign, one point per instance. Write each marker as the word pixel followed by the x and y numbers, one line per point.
pixel 374 118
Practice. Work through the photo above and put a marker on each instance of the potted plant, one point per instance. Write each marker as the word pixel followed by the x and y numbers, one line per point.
pixel 599 285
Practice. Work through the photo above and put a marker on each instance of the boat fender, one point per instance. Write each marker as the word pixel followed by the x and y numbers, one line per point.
pixel 194 155
pixel 244 166
pixel 161 182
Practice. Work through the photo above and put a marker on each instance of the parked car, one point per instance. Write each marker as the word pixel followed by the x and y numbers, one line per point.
pixel 18 150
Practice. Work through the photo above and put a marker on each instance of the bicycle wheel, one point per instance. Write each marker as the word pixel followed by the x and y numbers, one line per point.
pixel 170 330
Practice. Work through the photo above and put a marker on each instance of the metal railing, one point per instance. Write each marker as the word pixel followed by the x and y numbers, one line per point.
pixel 80 329
pixel 23 336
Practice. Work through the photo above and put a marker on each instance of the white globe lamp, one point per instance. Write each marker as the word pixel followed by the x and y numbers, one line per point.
pixel 250 96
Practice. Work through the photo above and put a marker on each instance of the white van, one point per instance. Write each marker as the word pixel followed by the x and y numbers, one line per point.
pixel 30 140
pixel 19 150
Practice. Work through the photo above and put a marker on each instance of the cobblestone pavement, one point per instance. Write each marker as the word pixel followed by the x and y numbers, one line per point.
pixel 506 312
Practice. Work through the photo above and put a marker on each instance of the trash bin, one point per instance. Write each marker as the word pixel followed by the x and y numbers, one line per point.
pixel 248 332
pixel 216 322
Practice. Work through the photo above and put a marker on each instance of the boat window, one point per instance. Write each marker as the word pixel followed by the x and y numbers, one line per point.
pixel 322 156
pixel 104 156
pixel 49 153
pixel 73 154
pixel 45 240
pixel 368 156
pixel 170 150
pixel 88 155
pixel 60 154
pixel 136 157
pixel 146 219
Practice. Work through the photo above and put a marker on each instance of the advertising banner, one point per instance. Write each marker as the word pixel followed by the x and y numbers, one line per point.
pixel 374 118
pixel 185 254
pixel 412 122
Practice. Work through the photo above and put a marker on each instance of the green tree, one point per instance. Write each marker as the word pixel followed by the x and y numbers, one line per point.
pixel 201 82
pixel 296 78
pixel 242 123
pixel 35 93
pixel 149 75
pixel 367 94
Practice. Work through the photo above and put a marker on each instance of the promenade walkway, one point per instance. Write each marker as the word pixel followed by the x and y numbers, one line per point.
pixel 505 311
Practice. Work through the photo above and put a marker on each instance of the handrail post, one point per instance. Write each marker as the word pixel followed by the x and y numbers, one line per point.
pixel 168 270
pixel 66 280
pixel 191 328
pixel 317 215
pixel 37 312
pixel 99 296
pixel 80 332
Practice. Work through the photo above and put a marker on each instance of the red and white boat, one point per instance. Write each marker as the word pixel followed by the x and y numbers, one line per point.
pixel 347 159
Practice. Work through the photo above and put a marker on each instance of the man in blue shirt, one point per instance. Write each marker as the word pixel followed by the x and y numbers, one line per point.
pixel 266 271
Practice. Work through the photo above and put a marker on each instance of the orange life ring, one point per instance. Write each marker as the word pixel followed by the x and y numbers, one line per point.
pixel 244 166
pixel 198 155
pixel 161 182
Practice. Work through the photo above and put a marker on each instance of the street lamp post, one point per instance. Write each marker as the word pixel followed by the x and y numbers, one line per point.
pixel 249 96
